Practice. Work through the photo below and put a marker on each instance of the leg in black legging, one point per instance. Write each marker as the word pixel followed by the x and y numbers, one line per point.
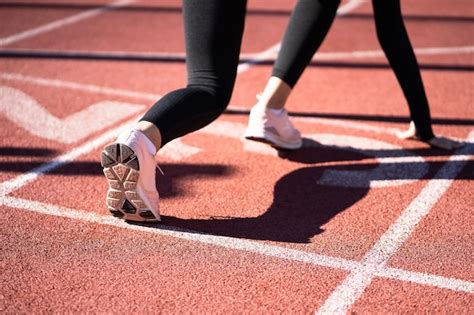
pixel 394 40
pixel 309 24
pixel 213 31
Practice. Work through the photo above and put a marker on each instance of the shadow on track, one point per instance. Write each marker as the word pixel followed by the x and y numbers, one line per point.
pixel 165 58
pixel 298 211
pixel 362 117
pixel 22 151
pixel 301 206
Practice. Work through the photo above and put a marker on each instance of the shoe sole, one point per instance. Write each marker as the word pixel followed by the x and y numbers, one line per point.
pixel 122 170
pixel 274 141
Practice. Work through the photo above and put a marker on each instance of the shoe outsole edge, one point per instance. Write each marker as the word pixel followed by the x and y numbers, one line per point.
pixel 122 170
pixel 273 141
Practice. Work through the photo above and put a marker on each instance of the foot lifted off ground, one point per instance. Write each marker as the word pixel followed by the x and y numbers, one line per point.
pixel 122 170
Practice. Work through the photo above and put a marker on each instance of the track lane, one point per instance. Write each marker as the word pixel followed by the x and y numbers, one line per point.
pixel 404 297
pixel 131 271
pixel 455 301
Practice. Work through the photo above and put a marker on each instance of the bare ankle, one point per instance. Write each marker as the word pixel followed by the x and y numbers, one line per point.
pixel 275 94
pixel 151 132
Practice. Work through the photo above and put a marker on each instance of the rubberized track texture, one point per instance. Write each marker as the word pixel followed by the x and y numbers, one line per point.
pixel 356 221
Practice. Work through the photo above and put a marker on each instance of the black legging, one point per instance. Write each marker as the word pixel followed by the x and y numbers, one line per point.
pixel 213 34
pixel 309 24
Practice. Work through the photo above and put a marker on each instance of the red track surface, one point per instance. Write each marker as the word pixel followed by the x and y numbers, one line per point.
pixel 244 231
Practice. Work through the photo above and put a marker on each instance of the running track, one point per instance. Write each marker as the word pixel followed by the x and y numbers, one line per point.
pixel 356 221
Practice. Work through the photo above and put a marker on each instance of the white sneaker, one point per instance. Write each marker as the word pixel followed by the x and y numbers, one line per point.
pixel 130 170
pixel 273 128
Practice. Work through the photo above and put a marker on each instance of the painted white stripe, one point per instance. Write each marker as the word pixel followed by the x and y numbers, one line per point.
pixel 445 50
pixel 78 86
pixel 430 51
pixel 272 51
pixel 270 54
pixel 355 284
pixel 387 173
pixel 344 9
pixel 61 23
pixel 221 241
pixel 238 244
pixel 348 124
pixel 320 260
pixel 229 129
pixel 176 150
pixel 365 54
pixel 21 180
pixel 414 277
pixel 153 97
pixel 349 6
pixel 9 186
pixel 426 279
pixel 267 54
pixel 100 53
pixel 335 122
pixel 243 245
pixel 27 113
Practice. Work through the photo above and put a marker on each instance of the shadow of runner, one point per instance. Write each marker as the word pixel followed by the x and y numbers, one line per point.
pixel 299 208
pixel 465 121
pixel 314 152
pixel 23 151
pixel 301 205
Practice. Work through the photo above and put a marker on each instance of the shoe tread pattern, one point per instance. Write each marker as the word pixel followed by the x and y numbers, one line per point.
pixel 121 168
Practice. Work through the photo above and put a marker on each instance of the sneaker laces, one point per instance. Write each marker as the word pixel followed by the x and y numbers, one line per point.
pixel 159 168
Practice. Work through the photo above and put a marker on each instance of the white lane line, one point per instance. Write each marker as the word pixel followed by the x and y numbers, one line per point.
pixel 78 86
pixel 253 58
pixel 272 51
pixel 426 279
pixel 9 186
pixel 16 183
pixel 154 97
pixel 61 22
pixel 32 116
pixel 355 284
pixel 243 245
pixel 221 241
pixel 334 122
pixel 429 51
pixel 265 55
pixel 348 124
pixel 349 6
pixel 364 54
pixel 323 260
pixel 344 9
pixel 99 54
